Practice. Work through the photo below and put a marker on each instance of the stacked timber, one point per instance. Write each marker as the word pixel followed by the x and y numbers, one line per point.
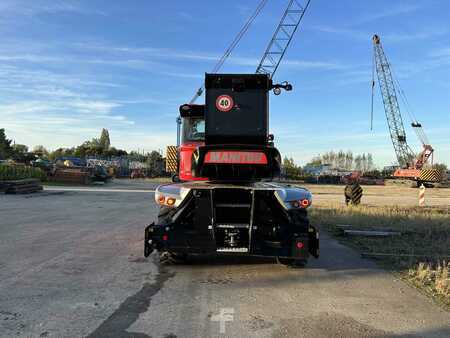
pixel 75 175
pixel 25 186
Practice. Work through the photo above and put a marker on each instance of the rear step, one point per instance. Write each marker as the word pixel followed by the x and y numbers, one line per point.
pixel 232 249
pixel 233 226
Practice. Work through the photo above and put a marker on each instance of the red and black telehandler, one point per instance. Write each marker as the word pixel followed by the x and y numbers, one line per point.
pixel 238 210
pixel 224 200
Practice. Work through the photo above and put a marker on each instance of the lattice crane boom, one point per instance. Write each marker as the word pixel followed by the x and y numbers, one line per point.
pixel 282 37
pixel 405 155
pixel 274 53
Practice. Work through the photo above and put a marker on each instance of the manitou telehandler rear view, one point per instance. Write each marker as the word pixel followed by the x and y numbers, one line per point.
pixel 225 201
pixel 237 210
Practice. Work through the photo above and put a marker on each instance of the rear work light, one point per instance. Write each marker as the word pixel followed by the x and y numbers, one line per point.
pixel 161 199
pixel 170 195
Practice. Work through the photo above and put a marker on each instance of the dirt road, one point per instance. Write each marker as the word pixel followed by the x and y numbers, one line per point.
pixel 71 265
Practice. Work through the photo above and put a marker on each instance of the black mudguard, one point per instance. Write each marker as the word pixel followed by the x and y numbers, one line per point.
pixel 313 240
pixel 148 244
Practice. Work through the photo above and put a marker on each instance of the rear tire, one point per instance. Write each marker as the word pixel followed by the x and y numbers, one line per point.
pixel 171 258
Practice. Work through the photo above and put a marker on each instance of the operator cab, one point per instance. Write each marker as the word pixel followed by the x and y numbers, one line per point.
pixel 192 137
pixel 193 129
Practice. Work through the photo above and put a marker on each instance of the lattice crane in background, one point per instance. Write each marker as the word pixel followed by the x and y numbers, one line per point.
pixel 411 164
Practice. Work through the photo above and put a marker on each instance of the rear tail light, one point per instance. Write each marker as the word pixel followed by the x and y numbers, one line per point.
pixel 168 201
pixel 170 195
pixel 304 203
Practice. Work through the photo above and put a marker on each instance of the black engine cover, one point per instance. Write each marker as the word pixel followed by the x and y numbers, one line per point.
pixel 237 109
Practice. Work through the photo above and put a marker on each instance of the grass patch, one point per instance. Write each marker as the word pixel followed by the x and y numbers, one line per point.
pixel 420 255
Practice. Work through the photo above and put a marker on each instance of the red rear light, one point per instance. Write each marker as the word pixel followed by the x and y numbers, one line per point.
pixel 304 203
pixel 161 199
pixel 300 245
pixel 300 204
pixel 165 238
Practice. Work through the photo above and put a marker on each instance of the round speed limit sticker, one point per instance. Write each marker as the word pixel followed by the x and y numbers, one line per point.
pixel 224 103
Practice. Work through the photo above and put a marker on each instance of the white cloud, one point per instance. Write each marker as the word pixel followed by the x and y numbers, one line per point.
pixel 93 107
pixel 196 56
pixel 423 33
pixel 440 52
pixel 24 8
pixel 314 65
pixel 389 11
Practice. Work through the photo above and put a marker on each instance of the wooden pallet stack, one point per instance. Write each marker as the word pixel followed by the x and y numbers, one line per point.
pixel 25 186
pixel 75 175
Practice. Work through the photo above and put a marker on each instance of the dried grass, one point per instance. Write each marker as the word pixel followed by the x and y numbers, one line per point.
pixel 435 280
pixel 425 240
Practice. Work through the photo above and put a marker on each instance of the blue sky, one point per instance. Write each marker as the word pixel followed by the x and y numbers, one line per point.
pixel 70 68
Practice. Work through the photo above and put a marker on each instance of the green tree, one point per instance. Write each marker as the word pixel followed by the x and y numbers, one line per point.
pixel 40 151
pixel 348 160
pixel 136 156
pixel 20 153
pixel 155 163
pixel 370 164
pixel 19 149
pixel 364 163
pixel 104 140
pixel 5 145
pixel 61 152
pixel 317 160
pixel 358 162
pixel 291 170
pixel 113 152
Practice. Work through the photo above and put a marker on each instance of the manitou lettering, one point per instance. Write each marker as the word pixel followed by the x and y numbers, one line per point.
pixel 235 157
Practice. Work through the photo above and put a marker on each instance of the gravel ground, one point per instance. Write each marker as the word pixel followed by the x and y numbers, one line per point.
pixel 71 265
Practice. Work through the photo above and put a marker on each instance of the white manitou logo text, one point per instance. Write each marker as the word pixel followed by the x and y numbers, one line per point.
pixel 225 315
